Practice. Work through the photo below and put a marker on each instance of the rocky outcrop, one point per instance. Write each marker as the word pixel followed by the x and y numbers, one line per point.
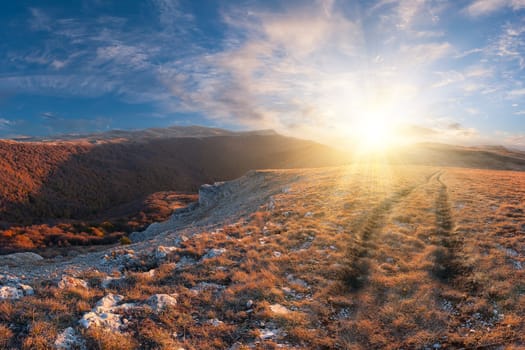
pixel 68 282
pixel 69 339
pixel 12 288
pixel 104 314
pixel 209 195
pixel 160 302
pixel 20 259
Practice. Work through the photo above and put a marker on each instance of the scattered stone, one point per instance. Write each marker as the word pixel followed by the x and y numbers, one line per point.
pixel 109 301
pixel 278 309
pixel 249 303
pixel 511 252
pixel 286 189
pixel 107 320
pixel 309 214
pixel 12 288
pixel 10 292
pixel 28 290
pixel 108 281
pixel 71 282
pixel 103 314
pixel 162 252
pixel 215 322
pixel 213 253
pixel 297 281
pixel 159 302
pixel 277 254
pixel 69 339
pixel 270 333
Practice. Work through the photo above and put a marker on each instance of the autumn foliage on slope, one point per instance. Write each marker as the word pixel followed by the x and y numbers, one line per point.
pixel 48 185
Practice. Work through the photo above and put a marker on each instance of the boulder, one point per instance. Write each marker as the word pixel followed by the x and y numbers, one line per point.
pixel 214 252
pixel 69 339
pixel 10 292
pixel 68 282
pixel 20 258
pixel 108 301
pixel 103 314
pixel 159 302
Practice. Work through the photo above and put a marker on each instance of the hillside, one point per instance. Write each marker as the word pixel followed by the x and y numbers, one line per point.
pixel 77 192
pixel 357 257
pixel 487 157
pixel 77 180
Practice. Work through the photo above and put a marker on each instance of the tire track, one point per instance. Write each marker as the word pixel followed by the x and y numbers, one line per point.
pixel 356 266
pixel 448 257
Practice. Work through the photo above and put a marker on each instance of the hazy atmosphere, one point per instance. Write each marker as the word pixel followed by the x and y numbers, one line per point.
pixel 447 71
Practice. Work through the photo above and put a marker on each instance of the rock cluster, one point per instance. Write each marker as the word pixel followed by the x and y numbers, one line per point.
pixel 12 288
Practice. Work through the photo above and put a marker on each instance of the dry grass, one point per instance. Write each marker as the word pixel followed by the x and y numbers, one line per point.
pixel 360 258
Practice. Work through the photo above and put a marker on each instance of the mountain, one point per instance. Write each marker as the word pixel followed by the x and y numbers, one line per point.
pixel 78 179
pixel 482 157
pixel 145 135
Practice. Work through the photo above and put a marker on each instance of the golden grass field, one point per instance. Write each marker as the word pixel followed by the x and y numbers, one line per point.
pixel 357 257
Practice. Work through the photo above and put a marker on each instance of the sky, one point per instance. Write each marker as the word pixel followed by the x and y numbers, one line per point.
pixel 431 70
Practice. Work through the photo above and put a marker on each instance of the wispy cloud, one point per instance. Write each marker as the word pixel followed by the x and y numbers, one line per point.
pixel 485 7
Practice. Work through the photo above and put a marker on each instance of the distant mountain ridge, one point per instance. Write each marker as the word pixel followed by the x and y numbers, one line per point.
pixel 146 134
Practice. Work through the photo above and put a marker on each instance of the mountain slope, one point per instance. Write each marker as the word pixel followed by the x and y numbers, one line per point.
pixel 80 180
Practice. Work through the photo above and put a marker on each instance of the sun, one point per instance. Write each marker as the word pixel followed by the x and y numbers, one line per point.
pixel 373 134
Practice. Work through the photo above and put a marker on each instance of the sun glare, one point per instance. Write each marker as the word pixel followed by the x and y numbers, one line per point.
pixel 374 135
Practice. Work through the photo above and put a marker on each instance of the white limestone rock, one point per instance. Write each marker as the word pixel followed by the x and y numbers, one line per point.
pixel 68 282
pixel 159 302
pixel 69 339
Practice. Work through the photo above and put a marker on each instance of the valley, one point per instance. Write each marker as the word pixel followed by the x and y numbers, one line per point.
pixel 360 256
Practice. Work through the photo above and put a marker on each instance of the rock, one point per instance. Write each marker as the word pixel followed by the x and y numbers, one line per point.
pixel 161 253
pixel 20 258
pixel 278 309
pixel 202 286
pixel 10 292
pixel 159 302
pixel 249 303
pixel 236 346
pixel 109 301
pixel 286 189
pixel 213 253
pixel 108 281
pixel 107 320
pixel 28 290
pixel 296 281
pixel 308 214
pixel 209 194
pixel 103 314
pixel 69 339
pixel 71 282
pixel 215 322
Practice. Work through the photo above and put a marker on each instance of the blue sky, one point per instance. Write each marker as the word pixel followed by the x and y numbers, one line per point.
pixel 448 71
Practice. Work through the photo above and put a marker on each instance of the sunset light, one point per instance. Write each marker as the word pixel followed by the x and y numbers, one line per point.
pixel 262 174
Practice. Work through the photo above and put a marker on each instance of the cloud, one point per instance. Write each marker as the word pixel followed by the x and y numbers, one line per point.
pixel 486 7
pixel 5 123
pixel 518 93
pixel 423 54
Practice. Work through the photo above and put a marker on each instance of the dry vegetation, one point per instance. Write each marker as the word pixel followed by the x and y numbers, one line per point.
pixel 58 237
pixel 76 193
pixel 365 257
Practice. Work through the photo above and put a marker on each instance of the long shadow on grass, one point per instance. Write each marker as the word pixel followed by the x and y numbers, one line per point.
pixel 355 271
pixel 448 262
